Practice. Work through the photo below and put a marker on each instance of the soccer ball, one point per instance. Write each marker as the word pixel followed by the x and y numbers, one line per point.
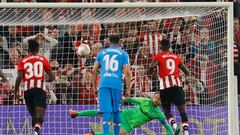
pixel 83 50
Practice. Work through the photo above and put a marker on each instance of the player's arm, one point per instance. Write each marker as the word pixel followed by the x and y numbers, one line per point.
pixel 94 75
pixel 18 82
pixel 164 122
pixel 128 75
pixel 19 78
pixel 51 76
pixel 48 70
pixel 184 69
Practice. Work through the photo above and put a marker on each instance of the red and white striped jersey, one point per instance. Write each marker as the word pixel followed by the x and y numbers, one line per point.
pixel 33 67
pixel 169 75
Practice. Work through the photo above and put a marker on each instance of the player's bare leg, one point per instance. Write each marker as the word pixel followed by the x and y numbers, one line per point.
pixel 39 117
pixel 182 111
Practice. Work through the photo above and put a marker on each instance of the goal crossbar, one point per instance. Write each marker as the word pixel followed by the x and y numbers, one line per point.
pixel 233 128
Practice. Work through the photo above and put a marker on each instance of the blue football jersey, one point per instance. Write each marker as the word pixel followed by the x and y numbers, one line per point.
pixel 112 60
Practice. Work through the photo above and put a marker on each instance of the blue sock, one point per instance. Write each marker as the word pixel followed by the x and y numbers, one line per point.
pixel 116 123
pixel 106 122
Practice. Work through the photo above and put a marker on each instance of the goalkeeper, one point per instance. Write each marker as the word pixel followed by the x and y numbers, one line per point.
pixel 144 111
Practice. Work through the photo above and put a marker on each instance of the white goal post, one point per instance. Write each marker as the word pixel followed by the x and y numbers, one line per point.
pixel 232 101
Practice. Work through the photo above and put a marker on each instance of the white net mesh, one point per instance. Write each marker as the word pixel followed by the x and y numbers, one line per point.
pixel 198 35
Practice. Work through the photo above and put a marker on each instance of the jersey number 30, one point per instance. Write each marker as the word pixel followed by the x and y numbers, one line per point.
pixel 111 63
pixel 171 65
pixel 33 70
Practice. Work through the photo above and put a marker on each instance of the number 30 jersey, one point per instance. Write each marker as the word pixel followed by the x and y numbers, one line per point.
pixel 33 67
pixel 168 72
pixel 112 60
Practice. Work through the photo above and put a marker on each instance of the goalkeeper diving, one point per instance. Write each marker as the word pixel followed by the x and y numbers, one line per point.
pixel 145 110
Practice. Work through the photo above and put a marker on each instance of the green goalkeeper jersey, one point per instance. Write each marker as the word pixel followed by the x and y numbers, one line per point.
pixel 142 113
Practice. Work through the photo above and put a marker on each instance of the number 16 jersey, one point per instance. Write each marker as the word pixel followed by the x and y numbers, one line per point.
pixel 112 60
pixel 33 67
pixel 168 72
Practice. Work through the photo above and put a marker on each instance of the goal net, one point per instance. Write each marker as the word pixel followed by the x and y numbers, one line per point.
pixel 198 34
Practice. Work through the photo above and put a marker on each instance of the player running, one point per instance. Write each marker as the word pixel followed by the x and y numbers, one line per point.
pixel 145 110
pixel 171 90
pixel 113 61
pixel 31 70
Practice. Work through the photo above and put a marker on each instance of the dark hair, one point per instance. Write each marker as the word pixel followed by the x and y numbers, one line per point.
pixel 33 45
pixel 165 43
pixel 114 39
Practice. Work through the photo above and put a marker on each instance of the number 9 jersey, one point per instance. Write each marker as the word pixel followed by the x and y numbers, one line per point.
pixel 168 72
pixel 112 60
pixel 33 67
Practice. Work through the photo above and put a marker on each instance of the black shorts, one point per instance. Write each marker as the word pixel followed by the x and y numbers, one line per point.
pixel 35 97
pixel 172 95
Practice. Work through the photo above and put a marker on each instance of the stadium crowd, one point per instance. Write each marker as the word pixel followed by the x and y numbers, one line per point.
pixel 194 39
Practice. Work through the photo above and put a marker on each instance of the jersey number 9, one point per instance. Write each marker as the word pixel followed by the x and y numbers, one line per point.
pixel 171 65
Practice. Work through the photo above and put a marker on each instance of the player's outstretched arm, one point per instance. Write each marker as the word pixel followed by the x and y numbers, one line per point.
pixel 90 113
pixel 164 122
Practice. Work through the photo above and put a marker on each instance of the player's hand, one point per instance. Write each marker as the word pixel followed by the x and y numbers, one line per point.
pixel 127 94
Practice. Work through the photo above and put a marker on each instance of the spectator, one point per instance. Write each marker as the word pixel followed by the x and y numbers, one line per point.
pixel 205 71
pixel 175 38
pixel 4 56
pixel 206 45
pixel 14 57
pixel 153 37
pixel 87 94
pixel 12 36
pixel 143 56
pixel 194 90
pixel 221 63
pixel 131 46
pixel 6 97
pixel 54 33
pixel 141 83
pixel 64 52
pixel 46 43
pixel 236 31
pixel 77 86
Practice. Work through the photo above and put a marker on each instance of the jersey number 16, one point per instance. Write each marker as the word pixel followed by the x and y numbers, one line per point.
pixel 111 63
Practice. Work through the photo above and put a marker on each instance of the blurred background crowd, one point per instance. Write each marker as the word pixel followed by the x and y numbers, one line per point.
pixel 201 42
